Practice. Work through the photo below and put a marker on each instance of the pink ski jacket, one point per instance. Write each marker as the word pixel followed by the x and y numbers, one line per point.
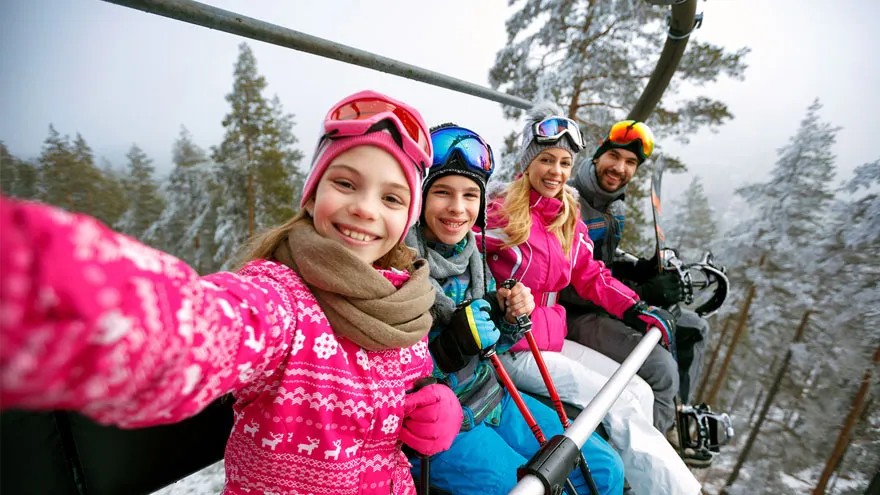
pixel 94 321
pixel 539 263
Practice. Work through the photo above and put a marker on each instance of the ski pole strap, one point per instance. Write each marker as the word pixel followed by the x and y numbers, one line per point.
pixel 552 464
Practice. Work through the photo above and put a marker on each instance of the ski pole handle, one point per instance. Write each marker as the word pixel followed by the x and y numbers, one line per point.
pixel 422 383
pixel 522 321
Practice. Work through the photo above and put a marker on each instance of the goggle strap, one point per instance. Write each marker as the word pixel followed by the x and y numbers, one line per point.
pixel 387 125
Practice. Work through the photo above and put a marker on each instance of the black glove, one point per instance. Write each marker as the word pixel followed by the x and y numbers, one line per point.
pixel 470 331
pixel 638 272
pixel 665 289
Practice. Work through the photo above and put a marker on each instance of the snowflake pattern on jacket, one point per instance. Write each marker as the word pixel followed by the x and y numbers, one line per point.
pixel 94 321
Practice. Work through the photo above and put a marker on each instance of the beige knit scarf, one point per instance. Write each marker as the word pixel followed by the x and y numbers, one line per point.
pixel 360 303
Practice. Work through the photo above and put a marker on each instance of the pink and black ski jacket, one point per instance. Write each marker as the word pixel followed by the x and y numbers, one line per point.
pixel 94 321
pixel 540 264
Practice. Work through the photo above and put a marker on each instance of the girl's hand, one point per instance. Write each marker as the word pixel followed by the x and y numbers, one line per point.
pixel 516 301
pixel 431 419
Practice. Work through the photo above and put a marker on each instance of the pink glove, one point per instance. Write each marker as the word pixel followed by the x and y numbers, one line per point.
pixel 431 419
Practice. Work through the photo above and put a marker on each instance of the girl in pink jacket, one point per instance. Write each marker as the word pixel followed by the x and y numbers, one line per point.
pixel 319 335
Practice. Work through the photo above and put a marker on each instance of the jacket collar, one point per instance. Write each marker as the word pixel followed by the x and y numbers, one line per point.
pixel 546 208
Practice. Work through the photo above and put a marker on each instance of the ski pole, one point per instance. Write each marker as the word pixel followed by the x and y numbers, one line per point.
pixel 424 460
pixel 515 395
pixel 425 475
pixel 520 404
pixel 548 381
pixel 523 321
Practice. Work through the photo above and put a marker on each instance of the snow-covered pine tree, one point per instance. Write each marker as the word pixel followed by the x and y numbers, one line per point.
pixel 790 209
pixel 87 179
pixel 110 196
pixel 256 163
pixel 863 205
pixel 57 171
pixel 238 153
pixel 186 226
pixel 593 59
pixel 692 228
pixel 784 221
pixel 278 177
pixel 145 202
pixel 68 175
pixel 832 380
pixel 840 358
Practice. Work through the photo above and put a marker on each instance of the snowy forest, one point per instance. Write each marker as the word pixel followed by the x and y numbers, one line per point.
pixel 210 204
pixel 795 350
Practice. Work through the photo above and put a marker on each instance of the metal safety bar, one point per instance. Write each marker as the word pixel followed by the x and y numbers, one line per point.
pixel 248 27
pixel 589 418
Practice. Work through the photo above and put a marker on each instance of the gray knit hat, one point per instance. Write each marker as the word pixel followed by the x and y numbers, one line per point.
pixel 529 147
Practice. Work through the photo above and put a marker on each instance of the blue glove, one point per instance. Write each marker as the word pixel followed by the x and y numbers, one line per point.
pixel 472 324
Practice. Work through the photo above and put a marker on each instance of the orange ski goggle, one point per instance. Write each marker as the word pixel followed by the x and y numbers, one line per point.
pixel 626 132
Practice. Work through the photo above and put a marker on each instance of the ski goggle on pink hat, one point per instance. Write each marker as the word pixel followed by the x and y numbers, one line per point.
pixel 371 118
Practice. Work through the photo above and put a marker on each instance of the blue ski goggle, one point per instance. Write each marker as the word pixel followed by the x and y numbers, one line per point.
pixel 473 149
pixel 552 129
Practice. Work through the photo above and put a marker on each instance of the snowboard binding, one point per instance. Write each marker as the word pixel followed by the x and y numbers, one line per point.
pixel 701 429
pixel 698 279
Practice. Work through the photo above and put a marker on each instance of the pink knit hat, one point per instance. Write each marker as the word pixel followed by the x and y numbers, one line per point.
pixel 331 148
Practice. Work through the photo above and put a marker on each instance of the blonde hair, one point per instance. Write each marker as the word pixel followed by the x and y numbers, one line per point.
pixel 263 246
pixel 519 219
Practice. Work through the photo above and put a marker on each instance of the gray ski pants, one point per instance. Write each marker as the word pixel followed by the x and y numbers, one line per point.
pixel 616 340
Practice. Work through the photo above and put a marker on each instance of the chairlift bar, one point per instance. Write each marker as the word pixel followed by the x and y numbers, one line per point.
pixel 587 421
pixel 682 22
pixel 223 20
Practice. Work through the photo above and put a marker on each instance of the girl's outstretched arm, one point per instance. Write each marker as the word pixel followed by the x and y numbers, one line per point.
pixel 94 321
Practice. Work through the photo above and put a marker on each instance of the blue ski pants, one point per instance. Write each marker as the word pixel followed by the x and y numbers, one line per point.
pixel 484 459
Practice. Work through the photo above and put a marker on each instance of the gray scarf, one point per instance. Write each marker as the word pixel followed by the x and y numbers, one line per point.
pixel 443 268
pixel 587 184
pixel 596 202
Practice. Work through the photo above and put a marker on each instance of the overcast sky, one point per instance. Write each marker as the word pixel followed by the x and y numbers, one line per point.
pixel 120 76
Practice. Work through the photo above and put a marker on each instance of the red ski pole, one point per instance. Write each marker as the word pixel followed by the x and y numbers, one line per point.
pixel 507 382
pixel 523 321
pixel 548 381
pixel 515 395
